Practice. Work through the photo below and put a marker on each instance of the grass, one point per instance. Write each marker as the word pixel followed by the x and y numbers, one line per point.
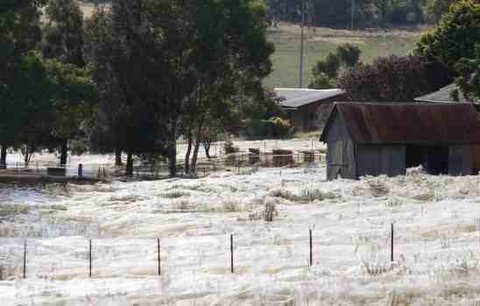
pixel 308 135
pixel 320 42
pixel 7 210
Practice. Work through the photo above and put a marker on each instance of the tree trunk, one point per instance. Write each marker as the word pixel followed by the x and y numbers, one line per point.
pixel 172 160
pixel 64 153
pixel 3 157
pixel 26 157
pixel 172 150
pixel 118 157
pixel 207 145
pixel 195 156
pixel 198 141
pixel 189 151
pixel 129 168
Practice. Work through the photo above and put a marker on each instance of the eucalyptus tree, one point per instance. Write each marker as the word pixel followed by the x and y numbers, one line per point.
pixel 19 34
pixel 64 41
pixel 232 56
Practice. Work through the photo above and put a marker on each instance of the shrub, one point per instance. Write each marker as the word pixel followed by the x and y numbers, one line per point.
pixel 229 147
pixel 394 79
pixel 349 55
pixel 280 127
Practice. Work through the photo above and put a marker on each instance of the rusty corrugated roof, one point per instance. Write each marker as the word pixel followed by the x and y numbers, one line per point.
pixel 408 123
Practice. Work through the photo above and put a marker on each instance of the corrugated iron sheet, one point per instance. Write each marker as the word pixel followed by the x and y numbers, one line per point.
pixel 444 95
pixel 409 123
pixel 298 97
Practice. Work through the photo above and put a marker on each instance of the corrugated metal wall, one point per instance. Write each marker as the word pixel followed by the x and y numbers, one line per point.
pixel 475 153
pixel 380 159
pixel 349 160
pixel 341 152
pixel 460 160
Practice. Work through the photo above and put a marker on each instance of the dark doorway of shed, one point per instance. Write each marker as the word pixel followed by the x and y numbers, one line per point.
pixel 415 156
pixel 434 159
pixel 437 160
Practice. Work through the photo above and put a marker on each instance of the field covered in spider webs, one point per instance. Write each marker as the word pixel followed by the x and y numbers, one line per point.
pixel 437 245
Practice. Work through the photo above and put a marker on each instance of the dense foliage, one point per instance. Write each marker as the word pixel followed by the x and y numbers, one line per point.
pixel 456 35
pixel 169 69
pixel 468 70
pixel 134 77
pixel 394 79
pixel 326 71
pixel 456 42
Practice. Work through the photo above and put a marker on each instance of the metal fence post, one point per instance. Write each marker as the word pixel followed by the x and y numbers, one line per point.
pixel 311 248
pixel 159 258
pixel 90 259
pixel 25 259
pixel 391 242
pixel 231 253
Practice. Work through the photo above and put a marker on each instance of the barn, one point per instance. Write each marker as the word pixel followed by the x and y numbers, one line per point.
pixel 387 138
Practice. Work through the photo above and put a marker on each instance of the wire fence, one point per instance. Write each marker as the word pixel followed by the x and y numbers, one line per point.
pixel 240 163
pixel 94 258
pixel 106 258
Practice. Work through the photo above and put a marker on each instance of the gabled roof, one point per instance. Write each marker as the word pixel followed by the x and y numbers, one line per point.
pixel 408 123
pixel 298 97
pixel 444 95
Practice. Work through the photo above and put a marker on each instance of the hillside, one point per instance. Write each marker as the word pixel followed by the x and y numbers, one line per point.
pixel 320 41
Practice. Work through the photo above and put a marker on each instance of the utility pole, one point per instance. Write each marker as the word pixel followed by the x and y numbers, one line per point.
pixel 352 24
pixel 302 39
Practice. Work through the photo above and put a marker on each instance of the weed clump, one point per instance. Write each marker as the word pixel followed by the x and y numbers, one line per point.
pixel 267 213
pixel 230 207
pixel 176 194
pixel 378 189
pixel 305 196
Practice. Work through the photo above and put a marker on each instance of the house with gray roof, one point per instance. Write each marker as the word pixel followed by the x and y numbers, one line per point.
pixel 448 94
pixel 308 109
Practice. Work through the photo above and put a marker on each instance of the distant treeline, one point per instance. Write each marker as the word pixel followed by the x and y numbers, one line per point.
pixel 356 13
pixel 362 13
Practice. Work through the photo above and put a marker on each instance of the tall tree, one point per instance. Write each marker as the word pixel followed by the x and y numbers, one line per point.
pixel 232 56
pixel 469 75
pixel 19 33
pixel 108 132
pixel 130 46
pixel 179 66
pixel 435 9
pixel 455 36
pixel 63 40
pixel 63 32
